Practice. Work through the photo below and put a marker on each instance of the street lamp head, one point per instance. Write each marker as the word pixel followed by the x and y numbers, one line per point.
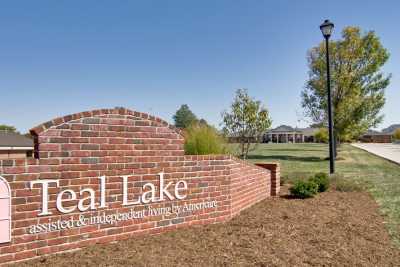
pixel 326 28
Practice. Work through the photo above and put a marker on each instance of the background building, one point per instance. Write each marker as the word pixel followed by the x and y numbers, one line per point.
pixel 14 145
pixel 288 134
pixel 385 136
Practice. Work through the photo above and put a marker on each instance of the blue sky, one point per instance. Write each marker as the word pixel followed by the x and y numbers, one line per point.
pixel 61 57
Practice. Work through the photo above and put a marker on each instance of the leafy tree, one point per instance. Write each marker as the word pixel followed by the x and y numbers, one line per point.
pixel 247 121
pixel 203 121
pixel 7 128
pixel 357 83
pixel 184 117
pixel 317 125
pixel 396 134
pixel 322 136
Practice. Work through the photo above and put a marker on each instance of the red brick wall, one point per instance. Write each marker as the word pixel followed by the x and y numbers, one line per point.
pixel 275 171
pixel 247 185
pixel 77 149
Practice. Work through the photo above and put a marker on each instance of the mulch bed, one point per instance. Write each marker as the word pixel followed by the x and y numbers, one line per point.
pixel 334 229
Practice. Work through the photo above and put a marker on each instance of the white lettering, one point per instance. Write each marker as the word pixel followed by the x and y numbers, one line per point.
pixel 177 188
pixel 91 199
pixel 164 189
pixel 60 200
pixel 102 192
pixel 45 194
pixel 151 192
pixel 125 201
pixel 86 197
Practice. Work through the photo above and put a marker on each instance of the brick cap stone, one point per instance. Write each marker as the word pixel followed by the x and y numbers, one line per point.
pixel 99 112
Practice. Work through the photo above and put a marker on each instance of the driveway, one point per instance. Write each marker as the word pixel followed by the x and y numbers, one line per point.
pixel 387 151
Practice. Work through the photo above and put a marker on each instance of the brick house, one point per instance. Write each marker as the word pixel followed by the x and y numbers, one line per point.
pixel 372 136
pixel 288 134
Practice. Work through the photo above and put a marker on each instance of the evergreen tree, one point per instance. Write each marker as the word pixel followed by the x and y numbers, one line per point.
pixel 184 117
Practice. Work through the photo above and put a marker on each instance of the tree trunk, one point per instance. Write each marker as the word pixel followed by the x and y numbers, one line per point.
pixel 247 148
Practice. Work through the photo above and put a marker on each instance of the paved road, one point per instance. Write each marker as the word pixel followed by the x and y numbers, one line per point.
pixel 387 151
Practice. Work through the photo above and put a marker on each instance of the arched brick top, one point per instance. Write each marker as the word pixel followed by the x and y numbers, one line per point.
pixel 99 112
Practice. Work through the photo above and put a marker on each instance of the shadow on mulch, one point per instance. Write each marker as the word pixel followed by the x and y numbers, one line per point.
pixel 332 229
pixel 288 197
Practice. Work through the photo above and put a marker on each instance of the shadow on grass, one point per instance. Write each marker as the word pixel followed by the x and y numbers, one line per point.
pixel 286 157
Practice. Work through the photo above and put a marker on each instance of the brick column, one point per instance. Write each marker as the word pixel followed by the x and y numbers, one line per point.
pixel 275 170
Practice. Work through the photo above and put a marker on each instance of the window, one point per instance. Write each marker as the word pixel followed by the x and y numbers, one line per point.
pixel 5 211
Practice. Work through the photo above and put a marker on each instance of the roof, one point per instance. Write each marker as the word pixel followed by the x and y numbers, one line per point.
pixel 378 133
pixel 288 129
pixel 13 140
pixel 282 128
pixel 371 132
pixel 391 129
pixel 308 131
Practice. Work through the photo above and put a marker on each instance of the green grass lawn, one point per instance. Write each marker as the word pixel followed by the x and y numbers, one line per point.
pixel 381 177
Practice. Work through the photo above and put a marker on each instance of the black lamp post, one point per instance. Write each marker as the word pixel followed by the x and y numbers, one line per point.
pixel 326 29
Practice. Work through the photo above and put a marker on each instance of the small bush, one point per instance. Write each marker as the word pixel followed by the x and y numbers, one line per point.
pixel 298 175
pixel 322 136
pixel 322 180
pixel 304 189
pixel 396 134
pixel 202 139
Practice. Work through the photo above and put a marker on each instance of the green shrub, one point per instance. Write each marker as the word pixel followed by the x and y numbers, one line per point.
pixel 202 139
pixel 322 180
pixel 304 189
pixel 396 134
pixel 297 175
pixel 322 136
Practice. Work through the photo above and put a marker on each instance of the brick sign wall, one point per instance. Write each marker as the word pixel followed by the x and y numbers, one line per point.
pixel 112 174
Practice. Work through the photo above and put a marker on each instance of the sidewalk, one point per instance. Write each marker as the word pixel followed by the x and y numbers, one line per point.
pixel 387 151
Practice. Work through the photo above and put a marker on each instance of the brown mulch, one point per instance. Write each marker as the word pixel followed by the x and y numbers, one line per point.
pixel 332 229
